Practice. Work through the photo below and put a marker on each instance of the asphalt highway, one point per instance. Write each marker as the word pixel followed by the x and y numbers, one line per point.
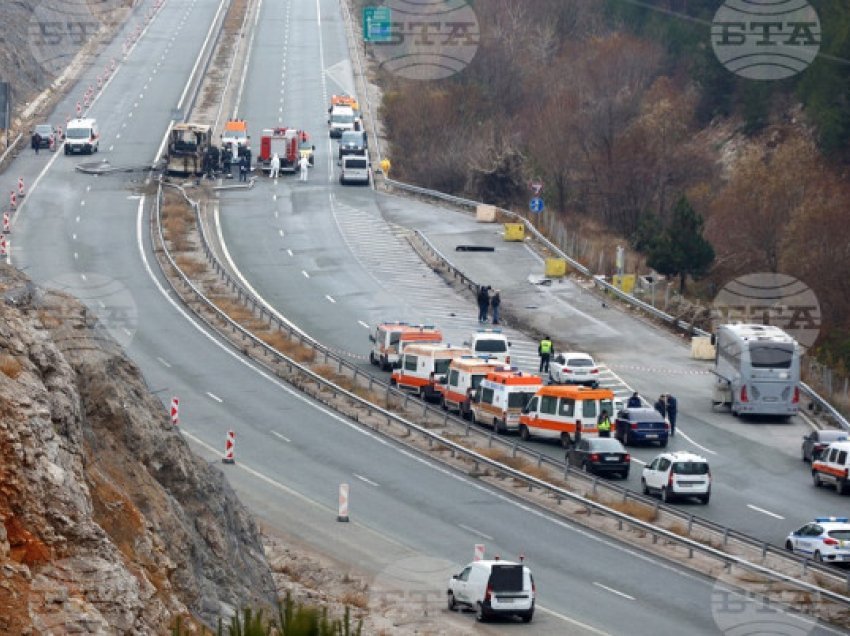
pixel 88 235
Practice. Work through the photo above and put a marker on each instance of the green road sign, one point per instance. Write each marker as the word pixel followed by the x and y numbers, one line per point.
pixel 376 24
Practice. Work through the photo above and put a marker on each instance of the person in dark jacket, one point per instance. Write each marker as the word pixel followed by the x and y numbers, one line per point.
pixel 672 410
pixel 495 303
pixel 483 302
pixel 661 405
pixel 634 401
pixel 243 168
pixel 36 142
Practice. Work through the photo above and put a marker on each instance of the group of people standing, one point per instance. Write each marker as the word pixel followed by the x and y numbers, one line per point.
pixel 488 298
pixel 666 404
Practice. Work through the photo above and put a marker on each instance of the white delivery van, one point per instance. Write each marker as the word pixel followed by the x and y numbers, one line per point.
pixel 82 136
pixel 492 343
pixel 355 169
pixel 494 588
pixel 342 118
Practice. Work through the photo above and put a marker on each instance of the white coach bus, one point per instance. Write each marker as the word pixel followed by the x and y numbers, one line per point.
pixel 757 369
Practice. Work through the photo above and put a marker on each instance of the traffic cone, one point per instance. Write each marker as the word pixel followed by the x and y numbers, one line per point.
pixel 7 226
pixel 99 82
pixel 13 200
pixel 343 503
pixel 228 448
pixel 21 191
pixel 4 250
pixel 175 408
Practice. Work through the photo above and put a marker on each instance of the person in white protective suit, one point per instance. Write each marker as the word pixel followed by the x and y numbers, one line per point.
pixel 304 164
pixel 275 166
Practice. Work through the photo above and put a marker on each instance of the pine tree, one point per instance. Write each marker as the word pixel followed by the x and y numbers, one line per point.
pixel 681 250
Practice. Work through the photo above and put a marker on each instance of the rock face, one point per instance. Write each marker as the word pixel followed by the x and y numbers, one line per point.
pixel 108 522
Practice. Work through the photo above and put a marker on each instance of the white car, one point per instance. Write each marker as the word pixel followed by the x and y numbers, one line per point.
pixel 574 368
pixel 494 588
pixel 679 474
pixel 826 539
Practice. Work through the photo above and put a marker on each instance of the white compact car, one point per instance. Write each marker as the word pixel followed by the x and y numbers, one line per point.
pixel 574 368
pixel 826 539
pixel 681 474
pixel 494 588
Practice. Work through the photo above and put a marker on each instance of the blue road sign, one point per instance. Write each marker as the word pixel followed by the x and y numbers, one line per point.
pixel 536 204
pixel 376 24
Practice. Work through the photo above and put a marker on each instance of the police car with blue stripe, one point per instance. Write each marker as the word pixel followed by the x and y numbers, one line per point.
pixel 826 540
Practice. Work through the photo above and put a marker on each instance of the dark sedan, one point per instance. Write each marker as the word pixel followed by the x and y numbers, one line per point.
pixel 641 425
pixel 44 131
pixel 600 455
pixel 816 441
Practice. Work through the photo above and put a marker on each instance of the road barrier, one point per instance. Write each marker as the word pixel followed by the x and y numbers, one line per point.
pixel 725 536
pixel 229 448
pixel 343 503
pixel 175 411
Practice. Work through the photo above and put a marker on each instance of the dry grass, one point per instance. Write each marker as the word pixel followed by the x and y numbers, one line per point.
pixel 10 366
pixel 190 266
pixel 637 510
pixel 48 320
pixel 355 599
pixel 234 310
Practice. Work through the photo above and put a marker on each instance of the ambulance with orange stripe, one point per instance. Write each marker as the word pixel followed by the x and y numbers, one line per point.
pixel 833 467
pixel 390 338
pixel 461 381
pixel 556 410
pixel 501 396
pixel 422 364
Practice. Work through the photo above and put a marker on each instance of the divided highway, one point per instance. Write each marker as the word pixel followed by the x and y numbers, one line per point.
pixel 88 235
pixel 334 261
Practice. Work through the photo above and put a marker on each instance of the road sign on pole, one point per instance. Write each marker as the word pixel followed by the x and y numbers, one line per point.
pixel 536 205
pixel 536 186
pixel 376 24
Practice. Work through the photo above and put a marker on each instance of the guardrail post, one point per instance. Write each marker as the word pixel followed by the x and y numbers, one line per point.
pixel 690 524
pixel 805 566
pixel 654 539
pixel 466 432
pixel 513 450
pixel 764 547
pixel 725 536
pixel 339 367
pixel 595 480
pixel 490 440
pixel 539 459
pixel 406 399
pixel 388 396
pixel 625 495
pixel 446 418
pixel 848 583
pixel 425 414
pixel 371 381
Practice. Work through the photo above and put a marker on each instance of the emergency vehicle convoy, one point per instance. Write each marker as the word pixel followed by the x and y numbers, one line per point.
pixel 556 412
pixel 422 364
pixel 390 338
pixel 288 143
pixel 464 376
pixel 501 396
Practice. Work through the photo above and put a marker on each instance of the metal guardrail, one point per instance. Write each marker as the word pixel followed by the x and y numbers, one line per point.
pixel 513 447
pixel 12 145
pixel 821 402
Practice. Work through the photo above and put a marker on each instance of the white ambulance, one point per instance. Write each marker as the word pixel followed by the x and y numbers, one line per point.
pixel 556 411
pixel 501 396
pixel 421 364
pixel 460 383
pixel 390 338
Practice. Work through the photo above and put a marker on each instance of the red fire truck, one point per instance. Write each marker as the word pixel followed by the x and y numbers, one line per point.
pixel 288 143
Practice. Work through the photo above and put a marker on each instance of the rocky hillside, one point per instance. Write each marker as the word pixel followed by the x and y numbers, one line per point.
pixel 109 523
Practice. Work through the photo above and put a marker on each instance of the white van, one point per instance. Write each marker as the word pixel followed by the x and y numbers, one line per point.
pixel 421 364
pixel 492 343
pixel 82 135
pixel 355 169
pixel 494 588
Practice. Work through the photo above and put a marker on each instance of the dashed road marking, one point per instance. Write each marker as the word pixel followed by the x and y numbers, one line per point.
pixel 765 512
pixel 163 363
pixel 613 591
pixel 476 532
pixel 215 397
pixel 283 437
pixel 366 479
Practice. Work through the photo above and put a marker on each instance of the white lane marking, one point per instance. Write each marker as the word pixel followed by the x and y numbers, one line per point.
pixel 363 324
pixel 414 457
pixel 765 512
pixel 283 437
pixel 306 275
pixel 88 188
pixel 281 233
pixel 613 591
pixel 83 202
pixel 276 214
pixel 366 479
pixel 215 397
pixel 77 219
pixel 127 331
pixel 700 446
pixel 483 535
pixel 274 197
pixel 111 147
pixel 246 65
pixel 571 621
pixel 83 276
pixel 73 237
pixel 330 299
pixel 101 304
pixel 638 461
pixel 289 251
pixel 76 256
pixel 164 363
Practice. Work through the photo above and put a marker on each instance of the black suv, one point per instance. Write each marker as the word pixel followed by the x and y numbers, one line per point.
pixel 353 142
